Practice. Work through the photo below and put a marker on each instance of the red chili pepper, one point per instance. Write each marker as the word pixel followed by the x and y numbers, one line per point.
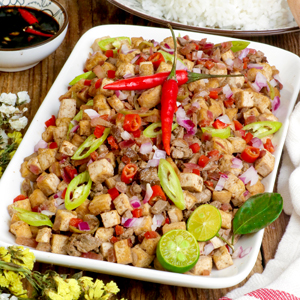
pixel 94 155
pixel 98 132
pixel 203 161
pixel 237 125
pixel 98 83
pixel 53 145
pixel 119 230
pixel 195 147
pixel 51 121
pixel 27 16
pixel 196 171
pixel 20 197
pixel 151 235
pixel 158 192
pixel 63 195
pixel 35 32
pixel 109 53
pixel 114 239
pixel 141 59
pixel 126 160
pixel 132 122
pixel 75 221
pixel 248 137
pixel 136 133
pixel 167 221
pixel 219 124
pixel 136 213
pixel 156 59
pixel 72 172
pixel 229 102
pixel 112 142
pixel 213 94
pixel 88 82
pixel 114 193
pixel 128 173
pixel 269 146
pixel 111 74
pixel 250 154
pixel 36 208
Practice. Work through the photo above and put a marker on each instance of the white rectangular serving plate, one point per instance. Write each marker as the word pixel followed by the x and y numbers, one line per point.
pixel 287 63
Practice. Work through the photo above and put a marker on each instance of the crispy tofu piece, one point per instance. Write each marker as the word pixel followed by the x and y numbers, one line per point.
pixel 244 99
pixel 26 173
pixel 111 182
pixel 222 258
pixel 37 198
pixel 51 205
pixel 231 113
pixel 151 97
pixel 225 164
pixel 59 243
pixel 44 235
pixel 24 204
pixel 149 245
pixel 116 103
pixel 266 71
pixel 189 64
pixel 196 85
pixel 191 182
pixel 83 209
pixel 34 230
pixel 56 169
pixel 203 266
pixel 145 226
pixel 251 112
pixel 104 234
pixel 47 135
pixel 256 188
pixel 94 60
pixel 227 55
pixel 60 134
pixel 219 69
pixel 77 140
pixel 123 252
pixel 100 170
pixel 100 103
pixel 265 165
pixel 136 41
pixel 216 107
pixel 127 58
pixel 234 185
pixel 164 67
pixel 262 102
pixel 100 204
pixel 141 258
pixel 268 116
pixel 146 209
pixel 238 200
pixel 20 229
pixel 125 69
pixel 34 166
pixel 47 158
pixel 172 226
pixel 14 218
pixel 175 214
pixel 62 219
pixel 146 68
pixel 46 247
pixel 226 219
pixel 189 199
pixel 84 128
pixel 110 218
pixel 105 248
pixel 222 145
pixel 48 183
pixel 221 196
pixel 236 82
pixel 63 122
pixel 239 144
pixel 217 242
pixel 157 265
pixel 122 204
pixel 111 157
pixel 67 108
pixel 104 92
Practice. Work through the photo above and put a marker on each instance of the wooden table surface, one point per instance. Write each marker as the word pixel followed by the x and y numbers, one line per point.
pixel 84 15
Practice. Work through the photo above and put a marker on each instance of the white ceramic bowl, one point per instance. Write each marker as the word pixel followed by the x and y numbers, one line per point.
pixel 19 59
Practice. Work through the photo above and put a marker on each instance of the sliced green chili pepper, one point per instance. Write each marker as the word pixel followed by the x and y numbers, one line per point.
pixel 272 91
pixel 77 118
pixel 33 218
pixel 169 57
pixel 141 114
pixel 171 183
pixel 80 193
pixel 115 42
pixel 92 143
pixel 86 75
pixel 185 95
pixel 145 44
pixel 263 128
pixel 90 102
pixel 221 133
pixel 239 45
pixel 150 130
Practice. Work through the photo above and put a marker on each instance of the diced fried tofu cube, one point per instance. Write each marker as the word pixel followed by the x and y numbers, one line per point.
pixel 104 234
pixel 149 245
pixel 14 218
pixel 94 60
pixel 67 108
pixel 251 112
pixel 85 127
pixel 47 158
pixel 199 84
pixel 47 135
pixel 20 229
pixel 59 243
pixel 60 134
pixel 110 218
pixel 217 242
pixel 63 122
pixel 105 247
pixel 111 158
pixel 111 182
pixel 227 55
pixel 100 203
pixel 37 198
pixel 100 103
pixel 125 69
pixel 26 173
pixel 145 226
pixel 238 144
pixel 221 196
pixel 56 169
pixel 219 69
pixel 265 165
pixel 136 41
pixel 77 140
pixel 51 205
pixel 44 235
pixel 189 64
pixel 146 209
pixel 46 247
pixel 146 68
pixel 226 219
pixel 222 258
pixel 262 102
pixel 225 164
pixel 34 166
pixel 234 185
pixel 216 107
pixel 231 113
pixel 151 97
pixel 122 204
pixel 268 116
pixel 191 182
pixel 141 258
pixel 236 82
pixel 256 188
pixel 164 67
pixel 115 103
pixel 24 204
pixel 244 99
pixel 203 266
pixel 222 145
pixel 238 200
pixel 172 226
pixel 48 183
pixel 123 252
pixel 189 199
pixel 175 214
pixel 100 170
pixel 68 148
pixel 34 230
pixel 157 265
pixel 104 92
pixel 266 71
pixel 83 209
pixel 62 219
pixel 127 58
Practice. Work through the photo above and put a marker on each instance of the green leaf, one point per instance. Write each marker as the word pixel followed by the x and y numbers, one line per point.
pixel 257 213
pixel 239 45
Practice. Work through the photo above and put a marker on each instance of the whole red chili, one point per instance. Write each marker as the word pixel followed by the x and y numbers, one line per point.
pixel 27 16
pixel 35 32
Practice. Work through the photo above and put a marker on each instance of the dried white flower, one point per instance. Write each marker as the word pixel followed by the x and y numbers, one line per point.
pixel 8 110
pixel 9 99
pixel 23 96
pixel 18 124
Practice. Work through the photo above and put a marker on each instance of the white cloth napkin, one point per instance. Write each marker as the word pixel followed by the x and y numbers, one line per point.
pixel 281 280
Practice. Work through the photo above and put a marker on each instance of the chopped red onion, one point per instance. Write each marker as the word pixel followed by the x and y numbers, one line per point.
pixel 203 93
pixel 273 82
pixel 255 66
pixel 128 75
pixel 229 62
pixel 135 59
pixel 125 50
pixel 276 77
pixel 47 213
pixel 89 162
pixel 249 176
pixel 155 43
pixel 91 113
pixel 188 138
pixel 257 143
pixel 59 201
pixel 236 163
pixel 192 166
pixel 158 154
pixel 225 119
pixel 74 122
pixel 275 104
pixel 132 222
pixel 126 144
pixel 74 129
pixel 167 48
pixel 243 53
pixel 148 194
pixel 260 80
pixel 254 86
pixel 227 91
pixel 246 193
pixel 40 145
pixel 237 252
pixel 185 122
pixel 197 70
pixel 146 148
pixel 221 182
pixel 208 248
pixel 240 252
pixel 199 54
pixel 61 206
pixel 245 252
pixel 57 195
pixel 135 202
pixel 84 226
pixel 126 135
pixel 152 163
pixel 180 65
pixel 121 95
pixel 157 221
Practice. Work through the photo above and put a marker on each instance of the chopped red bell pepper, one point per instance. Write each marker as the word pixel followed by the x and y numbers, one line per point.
pixel 209 183
pixel 63 195
pixel 112 142
pixel 114 193
pixel 132 122
pixel 196 171
pixel 195 147
pixel 213 155
pixel 167 221
pixel 36 208
pixel 72 172
pixel 219 124
pixel 269 146
pixel 209 64
pixel 203 161
pixel 213 94
pixel 128 173
pixel 111 74
pixel 151 235
pixel 20 197
pixel 229 102
pixel 94 155
pixel 114 239
pixel 237 125
pixel 119 230
pixel 137 213
pixel 136 133
pixel 87 82
pixel 53 145
pixel 109 53
pixel 98 132
pixel 250 154
pixel 51 121
pixel 248 137
pixel 75 221
pixel 98 83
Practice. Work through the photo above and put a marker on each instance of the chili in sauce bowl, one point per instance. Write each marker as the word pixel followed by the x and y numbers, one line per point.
pixel 31 32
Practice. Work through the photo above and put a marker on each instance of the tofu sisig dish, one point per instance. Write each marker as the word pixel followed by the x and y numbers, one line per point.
pixel 102 184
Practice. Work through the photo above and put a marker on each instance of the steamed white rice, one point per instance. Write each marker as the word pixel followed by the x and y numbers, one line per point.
pixel 224 14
